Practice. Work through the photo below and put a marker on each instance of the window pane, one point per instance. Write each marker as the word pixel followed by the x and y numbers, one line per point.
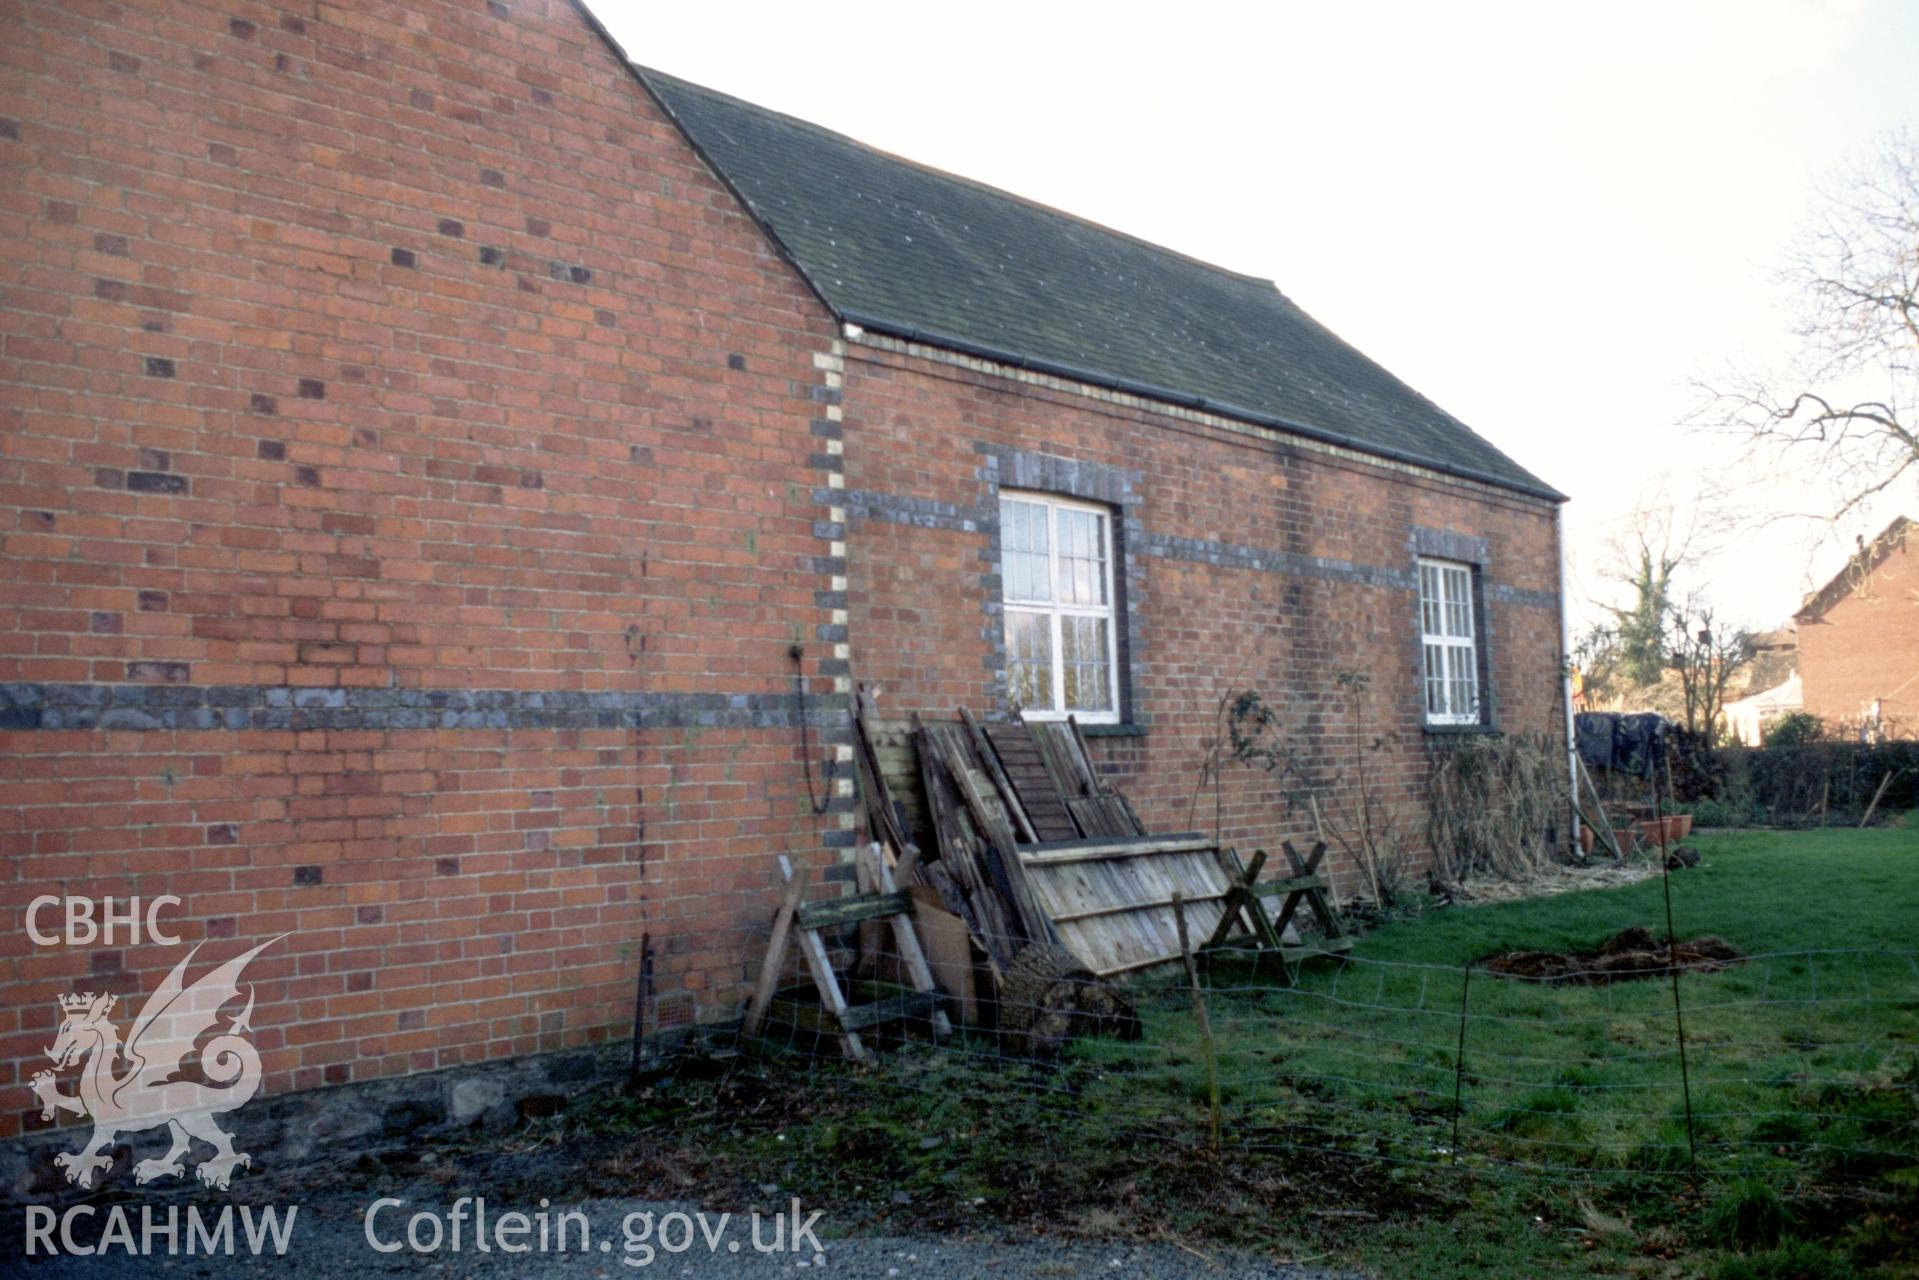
pixel 1023 525
pixel 1462 678
pixel 1435 680
pixel 1459 604
pixel 1029 658
pixel 1429 599
pixel 1082 557
pixel 1086 662
pixel 1025 570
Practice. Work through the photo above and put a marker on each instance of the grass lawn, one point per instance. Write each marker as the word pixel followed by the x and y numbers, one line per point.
pixel 1572 1154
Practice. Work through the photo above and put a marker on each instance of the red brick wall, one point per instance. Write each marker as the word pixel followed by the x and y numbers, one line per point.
pixel 356 352
pixel 1866 647
pixel 919 432
pixel 413 471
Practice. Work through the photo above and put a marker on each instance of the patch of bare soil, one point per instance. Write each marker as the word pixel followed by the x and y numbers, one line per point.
pixel 1629 954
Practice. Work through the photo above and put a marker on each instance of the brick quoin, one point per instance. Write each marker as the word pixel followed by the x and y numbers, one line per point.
pixel 415 468
pixel 470 578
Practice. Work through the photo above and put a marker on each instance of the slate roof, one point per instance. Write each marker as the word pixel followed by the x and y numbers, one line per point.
pixel 907 250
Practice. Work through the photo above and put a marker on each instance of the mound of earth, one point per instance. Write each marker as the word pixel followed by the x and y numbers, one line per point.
pixel 1628 954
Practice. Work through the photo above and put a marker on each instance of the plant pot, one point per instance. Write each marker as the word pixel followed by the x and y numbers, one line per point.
pixel 1679 826
pixel 1586 837
pixel 1652 831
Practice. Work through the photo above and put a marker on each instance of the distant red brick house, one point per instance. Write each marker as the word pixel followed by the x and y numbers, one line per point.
pixel 1859 639
pixel 427 438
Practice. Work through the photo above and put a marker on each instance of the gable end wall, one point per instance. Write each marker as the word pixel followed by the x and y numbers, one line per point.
pixel 1865 648
pixel 407 460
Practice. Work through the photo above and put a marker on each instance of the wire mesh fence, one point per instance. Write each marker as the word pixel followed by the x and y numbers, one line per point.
pixel 1762 1066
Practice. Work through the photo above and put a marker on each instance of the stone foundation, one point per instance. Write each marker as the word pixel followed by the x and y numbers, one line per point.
pixel 365 1119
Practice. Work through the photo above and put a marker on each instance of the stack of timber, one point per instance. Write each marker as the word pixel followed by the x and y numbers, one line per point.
pixel 1057 880
pixel 978 847
pixel 942 797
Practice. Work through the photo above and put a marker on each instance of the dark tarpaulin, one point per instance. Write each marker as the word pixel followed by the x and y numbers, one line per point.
pixel 1625 743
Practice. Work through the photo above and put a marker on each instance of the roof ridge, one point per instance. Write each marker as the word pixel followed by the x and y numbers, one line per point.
pixel 988 188
pixel 1859 566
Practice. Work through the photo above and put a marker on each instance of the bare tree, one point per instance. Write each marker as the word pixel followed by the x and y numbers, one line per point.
pixel 1850 403
pixel 1660 539
pixel 1705 653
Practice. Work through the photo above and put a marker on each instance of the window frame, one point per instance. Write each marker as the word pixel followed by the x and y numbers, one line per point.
pixel 1056 611
pixel 1449 643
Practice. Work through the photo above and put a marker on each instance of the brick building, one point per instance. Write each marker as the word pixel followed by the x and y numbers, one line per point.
pixel 1859 639
pixel 451 477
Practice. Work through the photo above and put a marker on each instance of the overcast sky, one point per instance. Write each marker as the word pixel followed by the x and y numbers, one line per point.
pixel 1550 219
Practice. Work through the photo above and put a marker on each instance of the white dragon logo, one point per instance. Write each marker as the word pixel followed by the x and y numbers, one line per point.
pixel 146 1096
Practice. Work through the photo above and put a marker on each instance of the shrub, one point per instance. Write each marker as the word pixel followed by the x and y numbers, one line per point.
pixel 1497 804
pixel 1712 813
pixel 1794 729
pixel 1805 784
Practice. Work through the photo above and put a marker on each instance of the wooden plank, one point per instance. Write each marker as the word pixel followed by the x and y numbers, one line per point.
pixel 1118 812
pixel 886 819
pixel 961 862
pixel 1599 803
pixel 826 980
pixel 908 1004
pixel 1007 794
pixel 1173 842
pixel 1123 908
pixel 1089 816
pixel 896 754
pixel 1104 858
pixel 1131 966
pixel 1269 888
pixel 775 960
pixel 1105 815
pixel 1001 849
pixel 1063 743
pixel 1013 744
pixel 908 942
pixel 1102 849
pixel 831 912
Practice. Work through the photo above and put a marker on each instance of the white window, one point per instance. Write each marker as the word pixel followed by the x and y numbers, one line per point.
pixel 1447 638
pixel 1056 572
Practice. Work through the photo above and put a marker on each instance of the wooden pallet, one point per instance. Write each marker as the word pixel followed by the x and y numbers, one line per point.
pixel 1245 916
pixel 1025 774
pixel 800 920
